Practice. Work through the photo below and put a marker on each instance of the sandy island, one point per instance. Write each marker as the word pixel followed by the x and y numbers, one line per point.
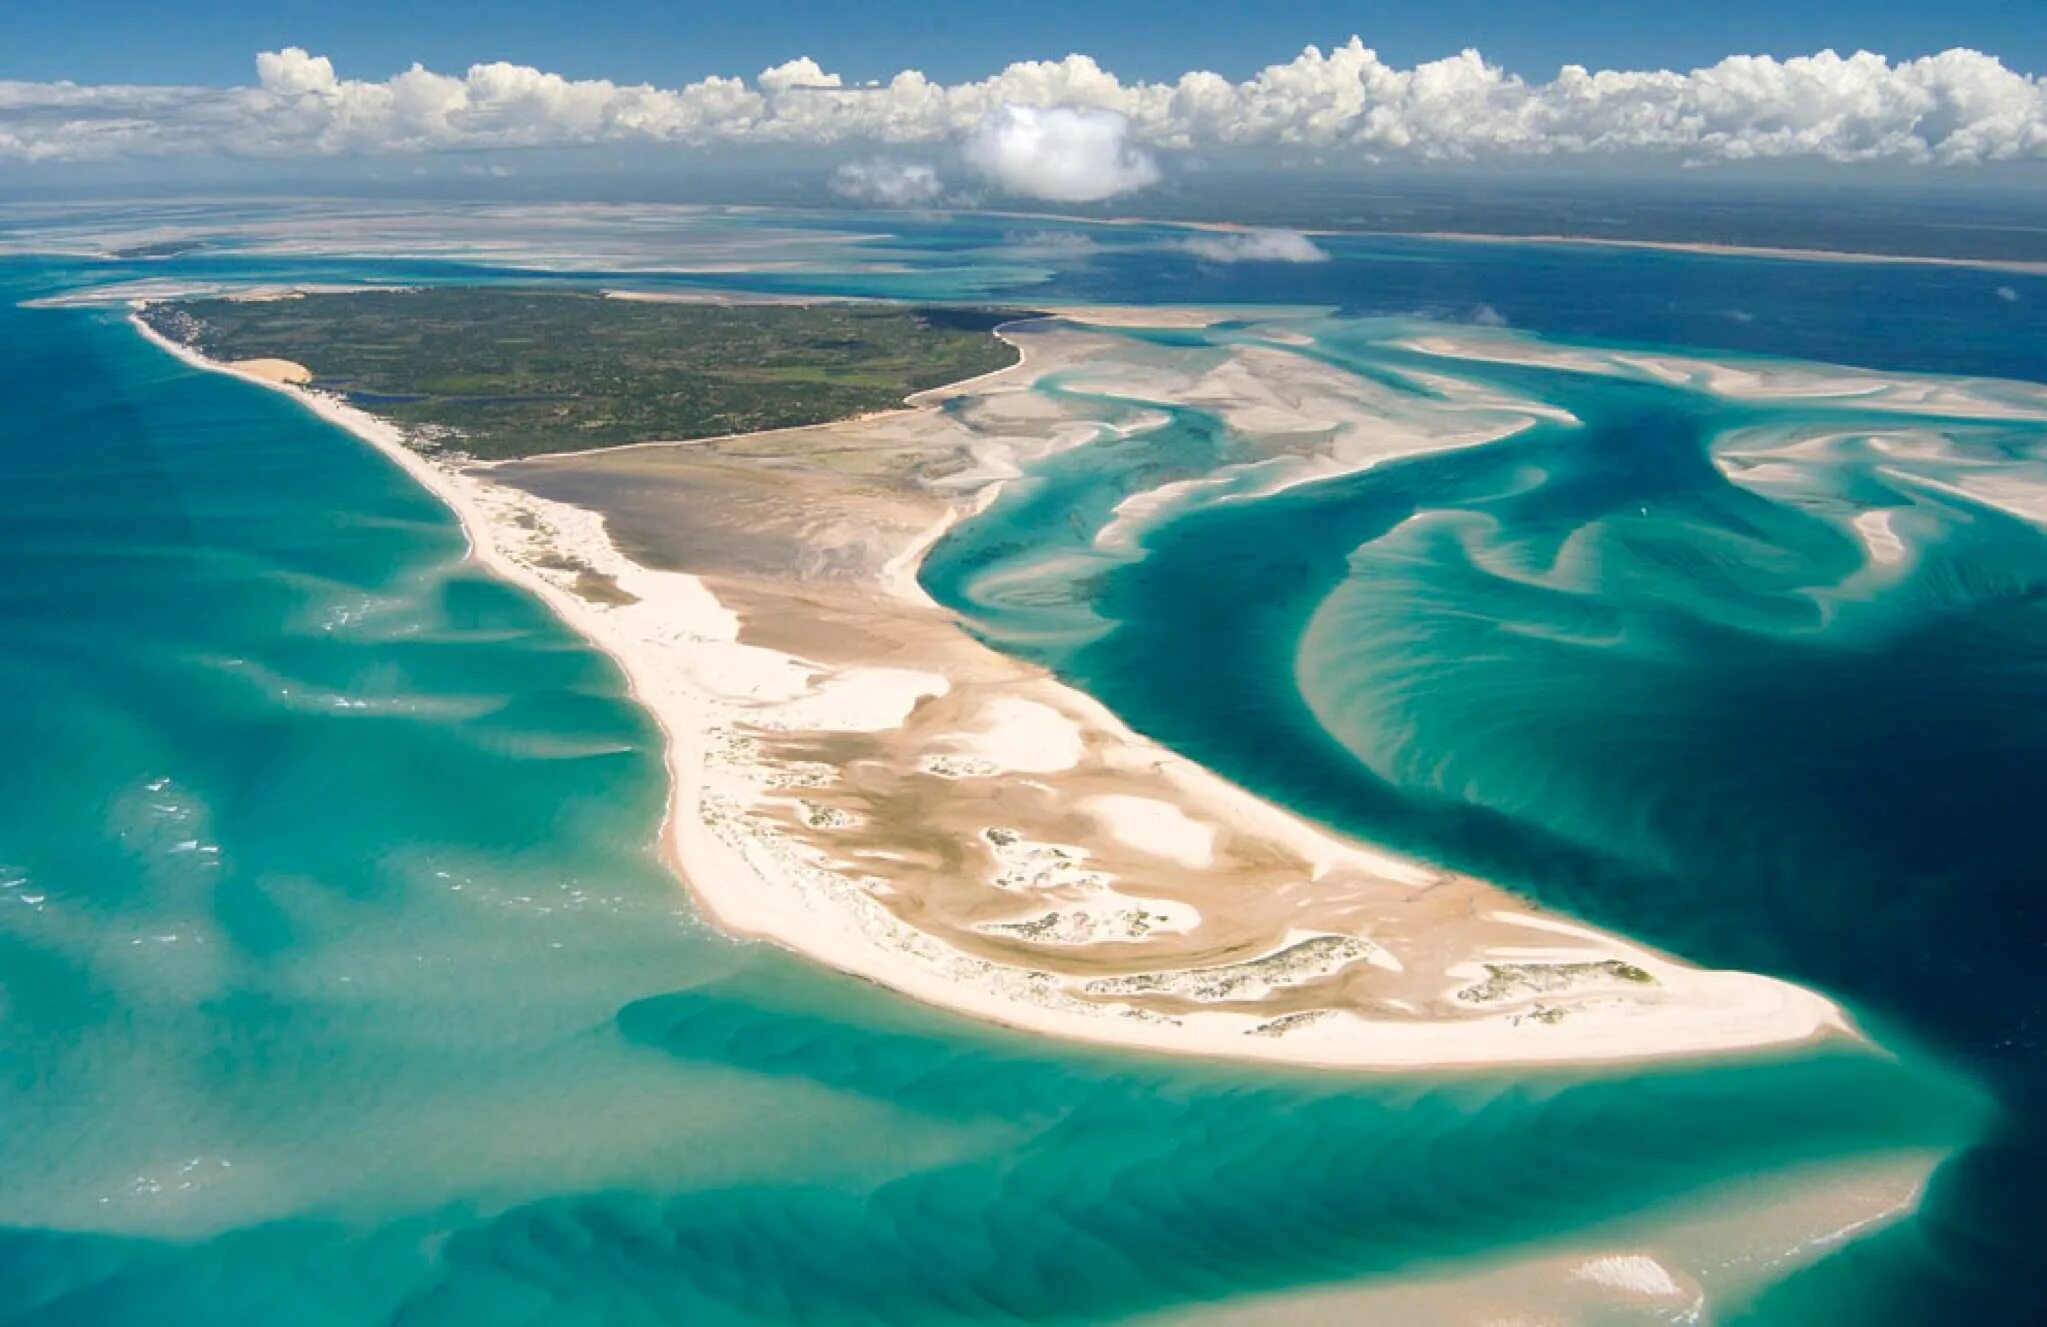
pixel 856 778
pixel 2016 266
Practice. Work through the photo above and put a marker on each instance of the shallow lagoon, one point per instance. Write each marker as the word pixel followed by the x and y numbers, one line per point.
pixel 349 989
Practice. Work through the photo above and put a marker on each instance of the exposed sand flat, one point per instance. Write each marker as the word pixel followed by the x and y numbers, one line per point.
pixel 1904 394
pixel 1508 350
pixel 1204 227
pixel 1017 736
pixel 2017 265
pixel 1156 827
pixel 123 294
pixel 1323 422
pixel 855 777
pixel 1693 1260
pixel 1877 535
pixel 2020 495
pixel 2005 471
pixel 2020 266
pixel 1172 315
pixel 1637 1273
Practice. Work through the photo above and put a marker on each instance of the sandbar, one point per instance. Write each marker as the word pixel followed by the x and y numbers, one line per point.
pixel 855 777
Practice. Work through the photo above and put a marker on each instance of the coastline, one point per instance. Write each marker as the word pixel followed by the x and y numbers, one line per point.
pixel 2016 266
pixel 681 651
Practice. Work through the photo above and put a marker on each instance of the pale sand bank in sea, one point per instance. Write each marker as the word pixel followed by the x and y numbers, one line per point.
pixel 1759 379
pixel 854 777
pixel 1691 1261
pixel 1916 451
pixel 1176 315
pixel 2017 266
pixel 126 294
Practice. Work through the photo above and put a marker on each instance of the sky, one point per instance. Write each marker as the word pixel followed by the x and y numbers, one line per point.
pixel 672 41
pixel 918 104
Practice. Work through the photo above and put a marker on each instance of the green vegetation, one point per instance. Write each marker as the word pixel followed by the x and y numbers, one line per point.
pixel 1516 980
pixel 498 373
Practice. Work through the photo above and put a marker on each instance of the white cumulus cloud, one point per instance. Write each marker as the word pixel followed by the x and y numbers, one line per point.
pixel 1255 246
pixel 1071 130
pixel 1064 154
pixel 889 182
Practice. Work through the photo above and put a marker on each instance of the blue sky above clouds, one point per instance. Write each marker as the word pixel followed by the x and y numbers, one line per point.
pixel 669 41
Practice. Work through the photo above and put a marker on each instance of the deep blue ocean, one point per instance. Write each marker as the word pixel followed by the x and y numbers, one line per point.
pixel 339 982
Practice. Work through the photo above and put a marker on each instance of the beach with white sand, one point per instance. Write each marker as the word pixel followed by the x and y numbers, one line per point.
pixel 855 777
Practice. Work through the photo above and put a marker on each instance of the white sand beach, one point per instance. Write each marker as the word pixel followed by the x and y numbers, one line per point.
pixel 855 778
pixel 272 370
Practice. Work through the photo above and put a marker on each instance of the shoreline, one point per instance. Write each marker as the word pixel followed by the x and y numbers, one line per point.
pixel 2015 266
pixel 678 633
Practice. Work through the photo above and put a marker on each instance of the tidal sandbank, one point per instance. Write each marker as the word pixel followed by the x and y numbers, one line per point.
pixel 855 777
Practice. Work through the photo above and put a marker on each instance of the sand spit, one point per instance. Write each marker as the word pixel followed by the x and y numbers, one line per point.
pixel 2023 267
pixel 1177 315
pixel 856 778
pixel 2019 266
pixel 1762 380
pixel 1700 1259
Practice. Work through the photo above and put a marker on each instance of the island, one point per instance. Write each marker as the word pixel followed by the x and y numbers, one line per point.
pixel 734 500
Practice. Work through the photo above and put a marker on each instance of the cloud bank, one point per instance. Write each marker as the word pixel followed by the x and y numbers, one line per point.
pixel 1255 246
pixel 1071 130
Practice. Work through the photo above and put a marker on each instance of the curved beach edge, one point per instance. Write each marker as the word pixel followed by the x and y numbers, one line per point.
pixel 1697 1013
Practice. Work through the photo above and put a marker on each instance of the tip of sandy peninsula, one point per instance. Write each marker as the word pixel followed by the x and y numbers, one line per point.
pixel 855 777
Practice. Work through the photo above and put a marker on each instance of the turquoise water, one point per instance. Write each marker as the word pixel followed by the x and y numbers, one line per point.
pixel 1589 662
pixel 340 984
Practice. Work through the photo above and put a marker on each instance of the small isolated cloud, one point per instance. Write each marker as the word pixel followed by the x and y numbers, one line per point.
pixel 1065 155
pixel 2007 294
pixel 1256 246
pixel 1485 315
pixel 888 182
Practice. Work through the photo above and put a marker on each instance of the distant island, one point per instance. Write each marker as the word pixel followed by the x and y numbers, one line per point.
pixel 497 373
